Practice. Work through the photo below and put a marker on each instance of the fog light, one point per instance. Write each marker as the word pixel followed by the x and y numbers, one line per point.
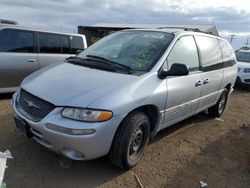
pixel 73 154
pixel 69 131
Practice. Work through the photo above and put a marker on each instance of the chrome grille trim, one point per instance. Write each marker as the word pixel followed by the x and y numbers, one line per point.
pixel 32 107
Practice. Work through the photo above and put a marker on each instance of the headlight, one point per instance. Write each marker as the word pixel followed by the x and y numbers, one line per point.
pixel 88 115
pixel 247 70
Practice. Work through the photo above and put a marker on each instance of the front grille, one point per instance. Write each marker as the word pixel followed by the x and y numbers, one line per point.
pixel 33 107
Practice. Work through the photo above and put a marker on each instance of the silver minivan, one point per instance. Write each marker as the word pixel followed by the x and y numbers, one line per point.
pixel 121 91
pixel 24 50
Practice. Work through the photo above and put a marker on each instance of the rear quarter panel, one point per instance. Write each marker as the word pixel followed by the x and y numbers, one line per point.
pixel 230 75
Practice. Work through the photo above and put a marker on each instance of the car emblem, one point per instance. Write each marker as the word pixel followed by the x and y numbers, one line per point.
pixel 31 104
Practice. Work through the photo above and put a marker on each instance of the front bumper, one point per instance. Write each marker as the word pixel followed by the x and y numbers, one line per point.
pixel 243 78
pixel 76 147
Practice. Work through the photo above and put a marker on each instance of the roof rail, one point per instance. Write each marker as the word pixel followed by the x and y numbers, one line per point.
pixel 187 29
pixel 2 21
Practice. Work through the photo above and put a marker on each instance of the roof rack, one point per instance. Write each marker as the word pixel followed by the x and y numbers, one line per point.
pixel 2 21
pixel 187 29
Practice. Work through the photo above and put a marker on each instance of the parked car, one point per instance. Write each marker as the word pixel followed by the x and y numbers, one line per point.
pixel 118 93
pixel 243 58
pixel 24 50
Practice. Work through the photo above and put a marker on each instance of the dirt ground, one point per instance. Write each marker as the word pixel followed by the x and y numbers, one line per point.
pixel 198 149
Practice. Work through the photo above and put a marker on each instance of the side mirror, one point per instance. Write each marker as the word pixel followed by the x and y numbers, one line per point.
pixel 79 51
pixel 177 69
pixel 67 58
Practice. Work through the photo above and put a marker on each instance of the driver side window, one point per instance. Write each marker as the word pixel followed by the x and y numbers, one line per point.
pixel 184 52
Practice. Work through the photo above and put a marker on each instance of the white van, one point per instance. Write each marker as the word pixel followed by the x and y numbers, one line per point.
pixel 24 50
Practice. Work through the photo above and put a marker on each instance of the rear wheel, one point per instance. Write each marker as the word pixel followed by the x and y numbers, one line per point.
pixel 218 109
pixel 130 141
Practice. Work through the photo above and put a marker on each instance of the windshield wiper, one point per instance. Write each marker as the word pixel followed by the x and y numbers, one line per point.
pixel 73 58
pixel 85 62
pixel 82 61
pixel 110 62
pixel 79 61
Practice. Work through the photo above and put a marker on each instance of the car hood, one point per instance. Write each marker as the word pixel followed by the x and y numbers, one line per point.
pixel 242 64
pixel 73 85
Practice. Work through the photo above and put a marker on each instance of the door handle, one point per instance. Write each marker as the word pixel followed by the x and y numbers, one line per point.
pixel 206 81
pixel 31 60
pixel 198 83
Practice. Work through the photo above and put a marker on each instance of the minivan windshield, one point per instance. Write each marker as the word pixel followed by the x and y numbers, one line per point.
pixel 135 50
pixel 243 56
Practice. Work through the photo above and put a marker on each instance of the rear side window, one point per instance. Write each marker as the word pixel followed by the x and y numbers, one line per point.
pixel 227 53
pixel 13 40
pixel 66 44
pixel 49 43
pixel 210 53
pixel 185 52
pixel 76 44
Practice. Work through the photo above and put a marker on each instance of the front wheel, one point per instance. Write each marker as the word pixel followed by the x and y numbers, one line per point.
pixel 218 109
pixel 130 140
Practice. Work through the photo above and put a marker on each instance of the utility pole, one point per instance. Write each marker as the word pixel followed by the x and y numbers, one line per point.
pixel 231 38
pixel 247 42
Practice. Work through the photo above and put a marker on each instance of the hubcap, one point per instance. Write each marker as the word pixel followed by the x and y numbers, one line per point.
pixel 136 142
pixel 222 103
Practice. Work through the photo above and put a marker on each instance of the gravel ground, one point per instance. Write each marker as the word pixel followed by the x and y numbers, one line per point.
pixel 215 151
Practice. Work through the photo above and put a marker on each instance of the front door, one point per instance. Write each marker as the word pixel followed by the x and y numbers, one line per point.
pixel 183 91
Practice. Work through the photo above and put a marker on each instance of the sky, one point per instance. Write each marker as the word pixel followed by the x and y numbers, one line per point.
pixel 229 16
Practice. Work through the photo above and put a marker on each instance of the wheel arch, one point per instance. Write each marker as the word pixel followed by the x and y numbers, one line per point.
pixel 150 110
pixel 228 87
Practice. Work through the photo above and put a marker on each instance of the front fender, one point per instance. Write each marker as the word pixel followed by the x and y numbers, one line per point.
pixel 148 90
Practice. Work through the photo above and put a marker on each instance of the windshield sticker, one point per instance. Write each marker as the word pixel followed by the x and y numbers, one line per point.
pixel 155 36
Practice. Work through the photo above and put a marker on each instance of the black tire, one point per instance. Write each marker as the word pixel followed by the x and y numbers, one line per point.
pixel 130 140
pixel 218 109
